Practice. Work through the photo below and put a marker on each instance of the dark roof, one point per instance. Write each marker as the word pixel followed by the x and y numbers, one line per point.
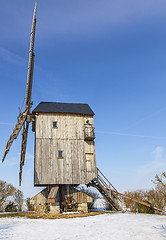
pixel 56 107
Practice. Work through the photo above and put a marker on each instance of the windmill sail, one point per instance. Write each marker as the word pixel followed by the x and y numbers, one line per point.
pixel 23 149
pixel 31 61
pixel 28 103
pixel 24 118
pixel 21 119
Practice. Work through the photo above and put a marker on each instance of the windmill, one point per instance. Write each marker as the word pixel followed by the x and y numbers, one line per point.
pixel 25 117
pixel 64 143
pixel 64 147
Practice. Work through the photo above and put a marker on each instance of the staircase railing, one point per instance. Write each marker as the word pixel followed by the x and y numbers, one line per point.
pixel 105 182
pixel 108 191
pixel 117 196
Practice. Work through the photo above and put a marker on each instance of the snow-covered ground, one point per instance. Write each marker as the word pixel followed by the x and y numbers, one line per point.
pixel 99 204
pixel 107 226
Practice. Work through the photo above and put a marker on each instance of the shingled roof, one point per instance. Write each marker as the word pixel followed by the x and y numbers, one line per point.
pixel 56 107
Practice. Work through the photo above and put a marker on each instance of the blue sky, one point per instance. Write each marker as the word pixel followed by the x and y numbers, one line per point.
pixel 109 54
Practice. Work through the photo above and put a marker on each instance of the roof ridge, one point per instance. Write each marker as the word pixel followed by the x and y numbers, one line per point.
pixel 64 103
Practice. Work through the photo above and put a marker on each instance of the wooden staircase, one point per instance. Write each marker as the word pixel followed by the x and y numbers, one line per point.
pixel 112 196
pixel 107 190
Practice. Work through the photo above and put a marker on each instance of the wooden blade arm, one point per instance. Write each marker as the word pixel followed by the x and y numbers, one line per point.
pixel 31 61
pixel 21 119
pixel 23 149
pixel 30 83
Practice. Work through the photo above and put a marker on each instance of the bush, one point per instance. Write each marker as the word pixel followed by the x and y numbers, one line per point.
pixel 11 207
pixel 6 190
pixel 9 192
pixel 144 209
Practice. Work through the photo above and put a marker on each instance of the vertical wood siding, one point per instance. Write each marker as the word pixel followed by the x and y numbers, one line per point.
pixel 69 138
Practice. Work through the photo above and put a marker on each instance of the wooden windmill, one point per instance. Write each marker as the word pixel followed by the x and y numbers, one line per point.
pixel 64 141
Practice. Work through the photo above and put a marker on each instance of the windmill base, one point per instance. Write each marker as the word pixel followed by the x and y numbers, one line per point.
pixel 55 199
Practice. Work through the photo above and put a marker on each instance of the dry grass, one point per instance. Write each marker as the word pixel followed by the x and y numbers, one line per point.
pixel 36 215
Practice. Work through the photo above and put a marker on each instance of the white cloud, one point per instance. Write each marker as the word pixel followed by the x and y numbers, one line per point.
pixel 6 123
pixel 14 161
pixel 11 162
pixel 29 156
pixel 11 57
pixel 158 164
pixel 130 135
pixel 158 153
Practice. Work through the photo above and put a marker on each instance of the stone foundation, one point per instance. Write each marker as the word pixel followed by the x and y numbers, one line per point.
pixel 83 207
pixel 40 208
pixel 54 208
pixel 51 198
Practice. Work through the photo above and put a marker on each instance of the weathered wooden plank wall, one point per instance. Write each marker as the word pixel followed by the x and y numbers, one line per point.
pixel 78 164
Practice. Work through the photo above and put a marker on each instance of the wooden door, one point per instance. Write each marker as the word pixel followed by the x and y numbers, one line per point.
pixel 89 159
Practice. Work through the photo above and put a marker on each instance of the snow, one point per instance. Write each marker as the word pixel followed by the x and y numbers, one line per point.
pixel 118 226
pixel 99 204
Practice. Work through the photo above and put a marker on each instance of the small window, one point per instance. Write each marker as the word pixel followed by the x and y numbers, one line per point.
pixel 54 124
pixel 60 155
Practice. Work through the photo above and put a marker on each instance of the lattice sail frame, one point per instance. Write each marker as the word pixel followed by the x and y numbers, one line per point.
pixel 24 118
